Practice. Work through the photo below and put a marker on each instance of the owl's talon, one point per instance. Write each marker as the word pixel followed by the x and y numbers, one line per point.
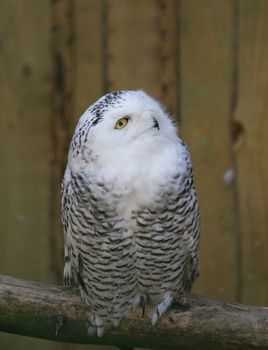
pixel 142 304
pixel 95 327
pixel 161 308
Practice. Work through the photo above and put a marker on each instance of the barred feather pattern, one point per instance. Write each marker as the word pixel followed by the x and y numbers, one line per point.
pixel 112 263
pixel 101 251
pixel 167 244
pixel 131 228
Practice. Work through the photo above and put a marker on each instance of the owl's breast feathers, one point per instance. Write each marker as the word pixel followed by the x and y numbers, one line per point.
pixel 122 241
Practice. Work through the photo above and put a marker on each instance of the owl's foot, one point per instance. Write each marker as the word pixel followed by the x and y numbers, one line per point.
pixel 96 327
pixel 140 301
pixel 142 304
pixel 162 307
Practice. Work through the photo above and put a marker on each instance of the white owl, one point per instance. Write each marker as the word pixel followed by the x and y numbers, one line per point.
pixel 129 210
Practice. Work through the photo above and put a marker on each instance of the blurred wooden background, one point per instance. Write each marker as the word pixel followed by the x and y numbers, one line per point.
pixel 207 60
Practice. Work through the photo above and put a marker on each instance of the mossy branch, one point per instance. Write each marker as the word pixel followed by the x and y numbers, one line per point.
pixel 58 313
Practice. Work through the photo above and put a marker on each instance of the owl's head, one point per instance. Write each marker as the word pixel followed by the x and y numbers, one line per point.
pixel 124 123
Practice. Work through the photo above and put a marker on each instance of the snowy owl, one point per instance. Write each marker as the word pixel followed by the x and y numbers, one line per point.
pixel 129 210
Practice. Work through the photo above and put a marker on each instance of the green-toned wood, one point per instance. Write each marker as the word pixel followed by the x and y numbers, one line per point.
pixel 206 63
pixel 25 99
pixel 25 75
pixel 132 45
pixel 251 148
pixel 141 46
pixel 168 54
pixel 88 55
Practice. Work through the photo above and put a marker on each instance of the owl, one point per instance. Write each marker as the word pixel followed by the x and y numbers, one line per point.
pixel 129 210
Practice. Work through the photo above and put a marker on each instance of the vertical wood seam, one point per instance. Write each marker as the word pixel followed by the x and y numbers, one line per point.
pixel 233 108
pixel 177 67
pixel 62 16
pixel 163 32
pixel 105 54
pixel 178 60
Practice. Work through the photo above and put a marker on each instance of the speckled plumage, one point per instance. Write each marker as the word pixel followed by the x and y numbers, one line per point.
pixel 129 210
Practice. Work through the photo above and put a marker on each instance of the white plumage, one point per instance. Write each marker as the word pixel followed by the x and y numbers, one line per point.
pixel 129 209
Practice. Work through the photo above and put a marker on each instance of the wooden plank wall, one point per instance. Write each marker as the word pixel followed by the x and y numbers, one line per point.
pixel 205 59
pixel 25 75
pixel 252 148
pixel 206 67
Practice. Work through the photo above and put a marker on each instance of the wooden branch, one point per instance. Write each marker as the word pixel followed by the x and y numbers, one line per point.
pixel 58 313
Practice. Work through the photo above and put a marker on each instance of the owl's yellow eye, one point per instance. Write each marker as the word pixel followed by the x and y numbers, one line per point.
pixel 121 123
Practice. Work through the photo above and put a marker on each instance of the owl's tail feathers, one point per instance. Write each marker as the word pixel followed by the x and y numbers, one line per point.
pixel 162 307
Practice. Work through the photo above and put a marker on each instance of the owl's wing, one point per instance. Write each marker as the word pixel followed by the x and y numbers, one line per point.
pixel 167 236
pixel 67 202
pixel 192 234
pixel 187 211
pixel 81 220
pixel 99 249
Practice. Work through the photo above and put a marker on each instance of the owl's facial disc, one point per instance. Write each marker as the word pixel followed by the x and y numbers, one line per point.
pixel 122 123
pixel 138 124
pixel 126 124
pixel 147 124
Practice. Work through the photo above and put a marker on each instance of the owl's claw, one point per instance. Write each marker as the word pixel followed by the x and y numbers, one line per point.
pixel 142 304
pixel 95 327
pixel 162 307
